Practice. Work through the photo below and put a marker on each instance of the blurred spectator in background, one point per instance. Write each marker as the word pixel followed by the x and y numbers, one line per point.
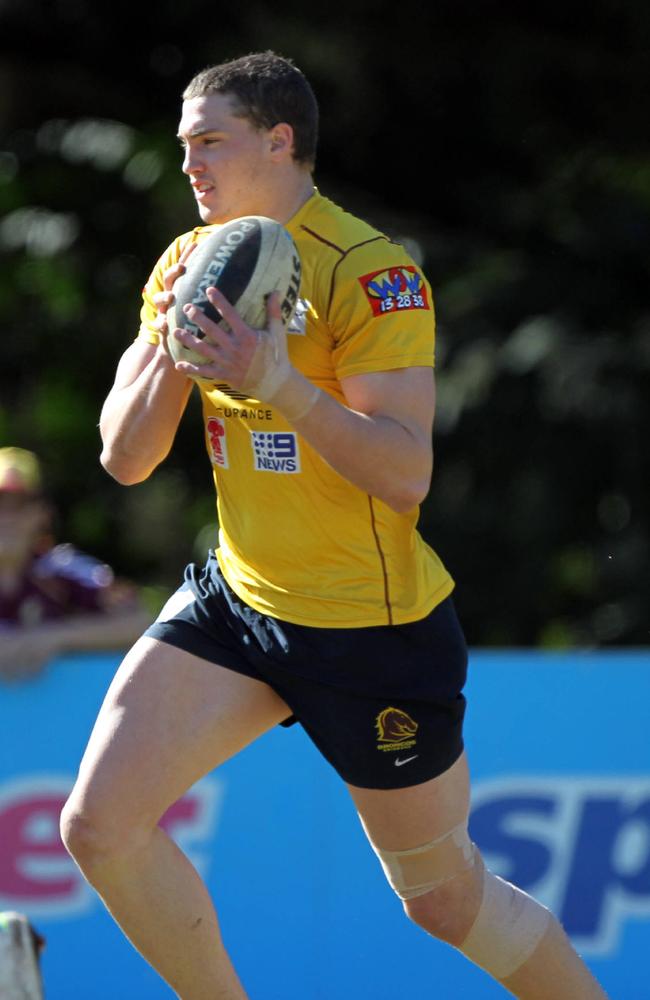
pixel 53 598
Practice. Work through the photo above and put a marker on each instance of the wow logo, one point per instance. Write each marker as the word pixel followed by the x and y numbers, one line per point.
pixel 395 289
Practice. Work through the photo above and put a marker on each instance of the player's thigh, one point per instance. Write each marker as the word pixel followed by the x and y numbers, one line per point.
pixel 168 718
pixel 402 818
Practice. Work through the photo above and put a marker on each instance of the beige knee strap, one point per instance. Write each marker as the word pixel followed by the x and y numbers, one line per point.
pixel 507 930
pixel 419 870
pixel 509 924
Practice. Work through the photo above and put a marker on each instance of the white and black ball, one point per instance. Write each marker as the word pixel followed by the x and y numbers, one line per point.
pixel 246 259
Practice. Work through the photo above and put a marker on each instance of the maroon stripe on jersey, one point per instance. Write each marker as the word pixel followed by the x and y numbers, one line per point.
pixel 382 559
pixel 356 246
pixel 344 253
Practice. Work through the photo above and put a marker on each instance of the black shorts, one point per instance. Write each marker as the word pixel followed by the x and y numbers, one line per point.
pixel 383 704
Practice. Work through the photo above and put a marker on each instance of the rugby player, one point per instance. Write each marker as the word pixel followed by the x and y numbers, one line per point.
pixel 322 605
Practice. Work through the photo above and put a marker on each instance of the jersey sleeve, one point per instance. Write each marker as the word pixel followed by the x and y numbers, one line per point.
pixel 149 312
pixel 381 313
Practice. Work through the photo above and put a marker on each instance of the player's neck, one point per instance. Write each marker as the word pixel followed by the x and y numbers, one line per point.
pixel 293 196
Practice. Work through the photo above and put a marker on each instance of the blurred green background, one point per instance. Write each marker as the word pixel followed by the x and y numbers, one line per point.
pixel 508 146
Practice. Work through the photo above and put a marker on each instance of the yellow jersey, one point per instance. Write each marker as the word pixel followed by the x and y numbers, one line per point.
pixel 297 541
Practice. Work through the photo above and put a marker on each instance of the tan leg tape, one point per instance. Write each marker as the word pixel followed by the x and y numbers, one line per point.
pixel 508 927
pixel 509 924
pixel 419 870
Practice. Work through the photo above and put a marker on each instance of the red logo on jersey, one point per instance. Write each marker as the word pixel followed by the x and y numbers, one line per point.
pixel 217 444
pixel 395 289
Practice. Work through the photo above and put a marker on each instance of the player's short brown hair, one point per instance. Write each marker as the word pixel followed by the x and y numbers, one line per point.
pixel 267 89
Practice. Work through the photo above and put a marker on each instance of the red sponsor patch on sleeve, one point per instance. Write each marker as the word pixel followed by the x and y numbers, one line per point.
pixel 395 289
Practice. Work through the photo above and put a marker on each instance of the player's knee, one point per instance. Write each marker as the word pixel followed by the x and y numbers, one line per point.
pixel 508 930
pixel 93 837
pixel 448 911
pixel 493 923
pixel 439 883
pixel 85 835
pixel 447 890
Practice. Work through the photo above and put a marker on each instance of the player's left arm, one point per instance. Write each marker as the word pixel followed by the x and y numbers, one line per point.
pixel 381 441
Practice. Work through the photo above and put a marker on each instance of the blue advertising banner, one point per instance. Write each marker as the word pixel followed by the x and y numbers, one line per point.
pixel 560 757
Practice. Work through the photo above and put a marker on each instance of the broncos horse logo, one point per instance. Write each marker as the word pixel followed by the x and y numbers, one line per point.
pixel 395 729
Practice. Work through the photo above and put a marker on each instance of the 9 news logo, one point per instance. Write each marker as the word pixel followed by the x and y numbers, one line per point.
pixel 579 845
pixel 275 451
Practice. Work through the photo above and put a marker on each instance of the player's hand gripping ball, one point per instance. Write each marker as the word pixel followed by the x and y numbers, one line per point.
pixel 247 260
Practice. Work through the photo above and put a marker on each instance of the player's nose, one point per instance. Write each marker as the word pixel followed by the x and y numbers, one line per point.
pixel 191 162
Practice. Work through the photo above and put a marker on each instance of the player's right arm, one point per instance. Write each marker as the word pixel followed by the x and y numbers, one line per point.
pixel 142 411
pixel 141 414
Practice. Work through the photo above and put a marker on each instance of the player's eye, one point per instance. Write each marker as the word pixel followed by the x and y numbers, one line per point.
pixel 203 140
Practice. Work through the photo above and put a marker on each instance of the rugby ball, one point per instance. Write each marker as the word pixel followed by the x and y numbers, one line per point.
pixel 246 259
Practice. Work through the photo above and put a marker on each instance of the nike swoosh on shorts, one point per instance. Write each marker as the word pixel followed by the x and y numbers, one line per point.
pixel 398 763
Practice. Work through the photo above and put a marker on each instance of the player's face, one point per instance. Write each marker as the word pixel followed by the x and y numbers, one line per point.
pixel 226 159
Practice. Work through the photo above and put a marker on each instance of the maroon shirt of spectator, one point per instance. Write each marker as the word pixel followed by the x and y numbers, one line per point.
pixel 60 582
pixel 53 598
pixel 38 581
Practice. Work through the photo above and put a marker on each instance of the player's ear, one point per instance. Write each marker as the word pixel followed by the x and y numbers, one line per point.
pixel 281 140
